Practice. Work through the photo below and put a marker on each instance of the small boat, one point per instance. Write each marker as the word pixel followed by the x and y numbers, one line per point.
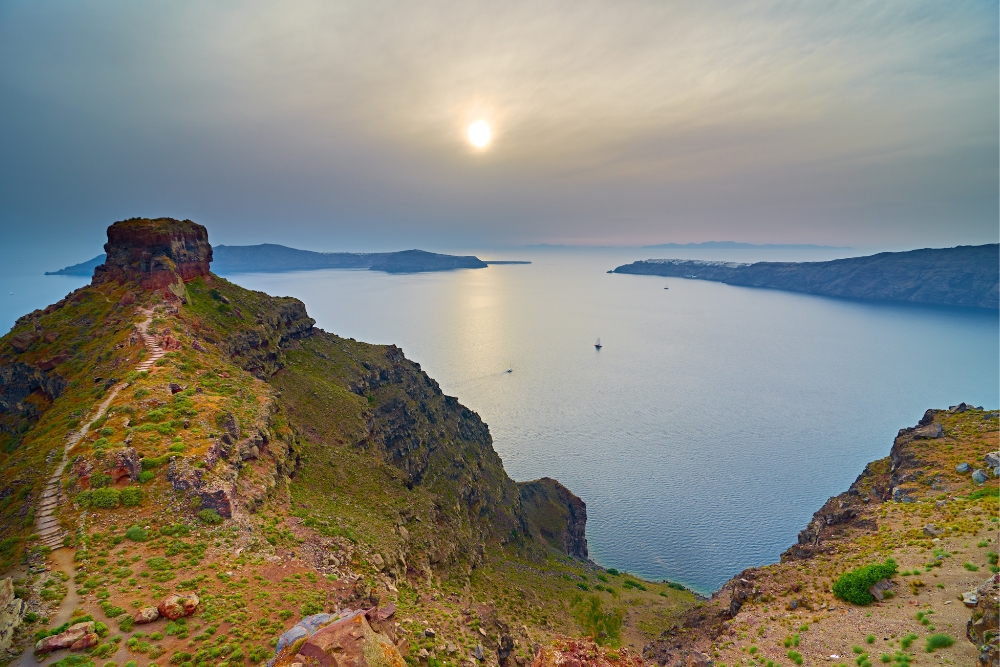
pixel 510 370
pixel 598 344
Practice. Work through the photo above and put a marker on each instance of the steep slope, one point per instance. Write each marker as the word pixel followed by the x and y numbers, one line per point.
pixel 967 276
pixel 932 506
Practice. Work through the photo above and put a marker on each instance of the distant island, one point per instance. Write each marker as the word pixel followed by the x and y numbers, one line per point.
pixel 274 258
pixel 967 276
pixel 736 245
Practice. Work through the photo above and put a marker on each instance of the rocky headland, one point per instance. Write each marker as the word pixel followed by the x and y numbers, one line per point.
pixel 194 474
pixel 965 276
pixel 182 443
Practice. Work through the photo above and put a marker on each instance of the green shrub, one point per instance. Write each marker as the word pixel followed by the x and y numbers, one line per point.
pixel 603 626
pixel 146 475
pixel 795 657
pixel 131 496
pixel 853 586
pixel 99 480
pixel 258 653
pixel 613 572
pixel 906 641
pixel 870 639
pixel 137 533
pixel 101 629
pixel 126 624
pixel 939 641
pixel 210 517
pixel 310 608
pixel 104 498
pixel 970 567
pixel 628 583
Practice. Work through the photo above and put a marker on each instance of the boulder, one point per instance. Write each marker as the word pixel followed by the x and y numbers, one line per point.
pixel 175 606
pixel 979 477
pixel 878 589
pixel 49 364
pixel 22 341
pixel 478 653
pixel 992 459
pixel 348 642
pixel 146 615
pixel 930 530
pixel 124 462
pixel 931 431
pixel 970 598
pixel 900 495
pixel 86 641
pixel 698 659
pixel 963 467
pixel 65 639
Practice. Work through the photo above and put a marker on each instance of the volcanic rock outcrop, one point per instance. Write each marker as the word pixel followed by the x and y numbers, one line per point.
pixel 155 252
pixel 559 515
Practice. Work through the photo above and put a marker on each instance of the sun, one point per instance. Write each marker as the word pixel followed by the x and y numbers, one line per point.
pixel 480 134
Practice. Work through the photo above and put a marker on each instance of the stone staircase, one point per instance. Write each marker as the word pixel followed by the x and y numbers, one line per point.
pixel 46 524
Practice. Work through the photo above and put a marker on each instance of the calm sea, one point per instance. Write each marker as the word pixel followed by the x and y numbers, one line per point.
pixel 711 425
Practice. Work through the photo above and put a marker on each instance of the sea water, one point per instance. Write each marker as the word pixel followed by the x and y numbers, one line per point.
pixel 712 423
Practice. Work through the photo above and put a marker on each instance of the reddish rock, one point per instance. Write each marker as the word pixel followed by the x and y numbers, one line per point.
pixel 176 606
pixel 51 337
pixel 155 253
pixel 86 641
pixel 128 299
pixel 584 653
pixel 349 643
pixel 146 615
pixel 170 343
pixel 175 388
pixel 23 340
pixel 49 364
pixel 124 462
pixel 65 639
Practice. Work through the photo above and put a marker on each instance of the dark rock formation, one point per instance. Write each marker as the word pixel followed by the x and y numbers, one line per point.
pixel 967 276
pixel 19 381
pixel 559 516
pixel 155 253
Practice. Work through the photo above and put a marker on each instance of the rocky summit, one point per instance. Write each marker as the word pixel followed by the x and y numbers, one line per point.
pixel 155 253
pixel 194 474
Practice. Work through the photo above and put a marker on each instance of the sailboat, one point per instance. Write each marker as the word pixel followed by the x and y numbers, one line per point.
pixel 598 344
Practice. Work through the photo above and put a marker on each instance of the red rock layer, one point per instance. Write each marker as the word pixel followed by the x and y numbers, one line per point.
pixel 155 252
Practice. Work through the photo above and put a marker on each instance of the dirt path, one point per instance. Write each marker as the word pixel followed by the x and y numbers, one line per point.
pixel 46 524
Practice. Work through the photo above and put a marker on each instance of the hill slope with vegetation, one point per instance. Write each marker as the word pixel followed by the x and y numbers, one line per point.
pixel 967 276
pixel 275 471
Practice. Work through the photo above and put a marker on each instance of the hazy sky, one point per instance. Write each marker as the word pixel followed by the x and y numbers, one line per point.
pixel 341 125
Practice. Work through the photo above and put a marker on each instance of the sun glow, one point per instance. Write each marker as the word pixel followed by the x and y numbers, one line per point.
pixel 480 134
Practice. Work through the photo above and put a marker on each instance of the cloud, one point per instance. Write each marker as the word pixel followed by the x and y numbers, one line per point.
pixel 854 123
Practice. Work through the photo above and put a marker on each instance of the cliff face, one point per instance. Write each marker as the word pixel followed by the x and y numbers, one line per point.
pixel 930 505
pixel 155 252
pixel 559 516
